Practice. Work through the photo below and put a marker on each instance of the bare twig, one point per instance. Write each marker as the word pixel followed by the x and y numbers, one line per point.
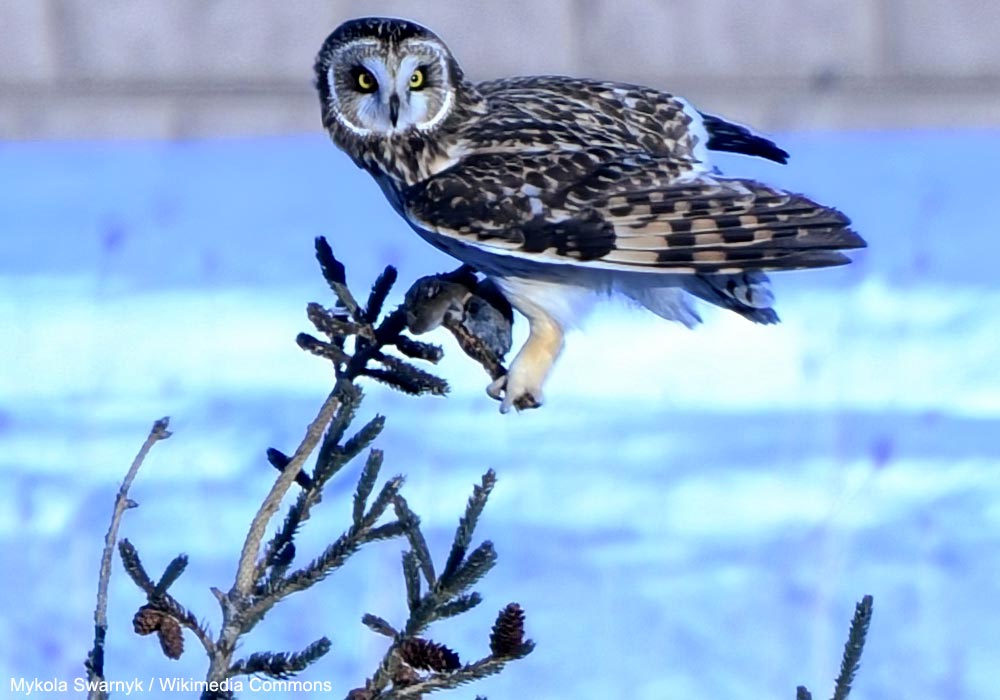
pixel 245 573
pixel 95 660
pixel 235 603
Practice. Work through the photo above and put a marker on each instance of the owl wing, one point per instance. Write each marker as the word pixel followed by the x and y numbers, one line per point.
pixel 657 122
pixel 626 211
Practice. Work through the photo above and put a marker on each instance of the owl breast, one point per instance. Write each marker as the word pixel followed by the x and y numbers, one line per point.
pixel 400 162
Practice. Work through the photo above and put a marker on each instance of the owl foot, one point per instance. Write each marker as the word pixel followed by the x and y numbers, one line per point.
pixel 521 387
pixel 512 393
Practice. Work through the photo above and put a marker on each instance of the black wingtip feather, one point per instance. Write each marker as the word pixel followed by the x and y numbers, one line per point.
pixel 726 136
pixel 765 317
pixel 817 258
pixel 822 237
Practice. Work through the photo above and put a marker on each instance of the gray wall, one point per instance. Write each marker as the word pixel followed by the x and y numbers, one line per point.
pixel 183 68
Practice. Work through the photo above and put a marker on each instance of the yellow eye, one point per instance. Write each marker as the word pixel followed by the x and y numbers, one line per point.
pixel 417 79
pixel 365 81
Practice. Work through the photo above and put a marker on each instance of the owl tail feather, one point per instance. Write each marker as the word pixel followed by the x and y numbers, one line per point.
pixel 746 293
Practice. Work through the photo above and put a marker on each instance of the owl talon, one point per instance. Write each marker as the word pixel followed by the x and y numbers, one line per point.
pixel 518 397
pixel 527 400
pixel 496 387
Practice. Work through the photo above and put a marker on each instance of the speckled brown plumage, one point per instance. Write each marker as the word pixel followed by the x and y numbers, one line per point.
pixel 550 184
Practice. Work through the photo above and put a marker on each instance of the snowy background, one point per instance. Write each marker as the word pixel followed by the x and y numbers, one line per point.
pixel 691 514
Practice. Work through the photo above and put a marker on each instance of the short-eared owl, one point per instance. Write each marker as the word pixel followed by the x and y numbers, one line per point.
pixel 557 187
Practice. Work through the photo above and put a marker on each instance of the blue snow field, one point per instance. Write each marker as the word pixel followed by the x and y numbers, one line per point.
pixel 691 514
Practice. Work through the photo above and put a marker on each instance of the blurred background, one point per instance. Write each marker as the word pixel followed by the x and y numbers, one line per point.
pixel 690 514
pixel 194 68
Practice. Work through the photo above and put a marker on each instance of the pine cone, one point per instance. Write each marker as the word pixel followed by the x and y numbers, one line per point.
pixel 171 637
pixel 427 655
pixel 507 637
pixel 147 620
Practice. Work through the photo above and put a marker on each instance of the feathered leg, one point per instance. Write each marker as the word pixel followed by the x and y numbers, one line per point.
pixel 550 306
pixel 521 387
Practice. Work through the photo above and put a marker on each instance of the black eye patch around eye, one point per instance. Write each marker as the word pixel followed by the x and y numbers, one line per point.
pixel 422 78
pixel 432 74
pixel 362 80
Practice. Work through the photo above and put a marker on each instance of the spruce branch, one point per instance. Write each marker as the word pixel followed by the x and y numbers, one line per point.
pixel 411 651
pixel 280 550
pixel 332 456
pixel 852 649
pixel 387 531
pixel 134 568
pixel 330 459
pixel 459 605
pixel 370 337
pixel 173 571
pixel 469 673
pixel 366 483
pixel 414 664
pixel 383 500
pixel 350 400
pixel 851 660
pixel 334 556
pixel 317 347
pixel 95 658
pixel 359 341
pixel 364 437
pixel 336 276
pixel 419 350
pixel 467 524
pixel 418 381
pixel 379 293
pixel 333 324
pixel 411 577
pixel 405 383
pixel 475 566
pixel 245 572
pixel 377 624
pixel 280 665
pixel 158 599
pixel 420 549
pixel 279 585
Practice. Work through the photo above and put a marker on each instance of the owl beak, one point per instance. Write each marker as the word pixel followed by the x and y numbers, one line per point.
pixel 394 109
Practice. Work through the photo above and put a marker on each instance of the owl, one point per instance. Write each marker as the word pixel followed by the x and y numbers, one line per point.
pixel 560 189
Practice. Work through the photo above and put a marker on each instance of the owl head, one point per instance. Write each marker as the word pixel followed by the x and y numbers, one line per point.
pixel 381 77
